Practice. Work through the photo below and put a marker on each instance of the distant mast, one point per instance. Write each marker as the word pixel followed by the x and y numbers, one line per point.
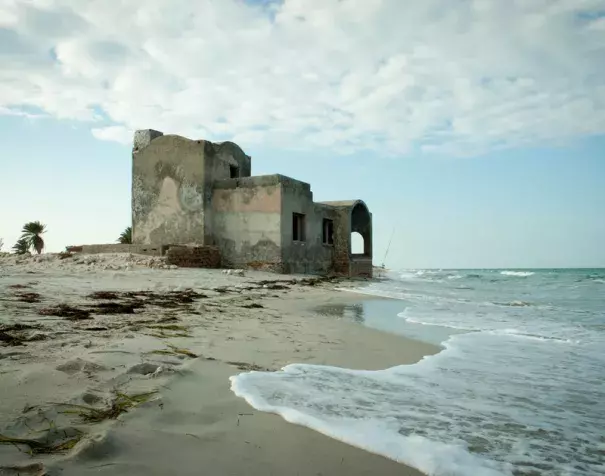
pixel 388 247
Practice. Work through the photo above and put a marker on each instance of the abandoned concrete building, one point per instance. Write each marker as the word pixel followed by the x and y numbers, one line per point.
pixel 195 192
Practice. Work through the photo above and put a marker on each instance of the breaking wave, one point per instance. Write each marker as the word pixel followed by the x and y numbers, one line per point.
pixel 516 390
pixel 517 273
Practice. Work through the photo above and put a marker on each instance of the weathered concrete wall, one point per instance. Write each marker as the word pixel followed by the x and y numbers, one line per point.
pixel 246 221
pixel 311 255
pixel 342 241
pixel 360 266
pixel 200 193
pixel 352 216
pixel 361 222
pixel 168 191
pixel 219 159
pixel 172 180
pixel 151 250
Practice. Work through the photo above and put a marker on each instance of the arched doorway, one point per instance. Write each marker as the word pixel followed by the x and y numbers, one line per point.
pixel 357 243
pixel 361 224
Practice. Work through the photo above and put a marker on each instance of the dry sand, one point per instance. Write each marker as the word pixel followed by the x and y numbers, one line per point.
pixel 183 336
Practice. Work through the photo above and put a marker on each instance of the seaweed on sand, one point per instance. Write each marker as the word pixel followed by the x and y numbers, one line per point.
pixel 169 327
pixel 253 305
pixel 174 350
pixel 10 339
pixel 64 310
pixel 38 447
pixel 107 295
pixel 171 299
pixel 120 403
pixel 28 297
pixel 19 286
pixel 117 307
pixel 247 366
pixel 18 327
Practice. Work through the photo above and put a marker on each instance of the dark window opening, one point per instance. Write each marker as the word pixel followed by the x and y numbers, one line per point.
pixel 233 171
pixel 328 232
pixel 298 227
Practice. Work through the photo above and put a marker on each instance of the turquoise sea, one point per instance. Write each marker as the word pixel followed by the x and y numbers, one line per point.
pixel 518 389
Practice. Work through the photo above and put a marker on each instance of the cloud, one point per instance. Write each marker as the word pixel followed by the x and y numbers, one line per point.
pixel 455 78
pixel 119 134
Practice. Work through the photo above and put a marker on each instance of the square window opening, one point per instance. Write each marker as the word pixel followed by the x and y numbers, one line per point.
pixel 233 171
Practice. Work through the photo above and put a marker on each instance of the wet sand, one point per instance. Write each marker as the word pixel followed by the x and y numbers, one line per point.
pixel 194 424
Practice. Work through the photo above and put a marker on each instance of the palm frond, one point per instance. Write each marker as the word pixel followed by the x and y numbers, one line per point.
pixel 34 228
pixel 31 234
pixel 21 247
pixel 126 236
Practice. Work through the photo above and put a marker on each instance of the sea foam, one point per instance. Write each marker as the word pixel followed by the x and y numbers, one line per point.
pixel 331 401
pixel 517 390
pixel 517 273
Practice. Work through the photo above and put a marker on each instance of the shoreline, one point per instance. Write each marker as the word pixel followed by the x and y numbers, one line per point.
pixel 239 324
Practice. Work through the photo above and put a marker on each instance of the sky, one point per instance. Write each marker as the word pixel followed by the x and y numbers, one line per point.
pixel 473 129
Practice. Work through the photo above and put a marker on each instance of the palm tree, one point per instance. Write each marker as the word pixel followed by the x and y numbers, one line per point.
pixel 21 247
pixel 126 236
pixel 31 234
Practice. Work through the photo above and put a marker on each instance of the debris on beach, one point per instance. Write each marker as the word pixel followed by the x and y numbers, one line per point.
pixel 119 404
pixel 41 447
pixel 10 339
pixel 106 295
pixel 28 297
pixel 116 307
pixel 64 310
pixel 247 366
pixel 19 286
pixel 253 305
pixel 174 350
pixel 12 334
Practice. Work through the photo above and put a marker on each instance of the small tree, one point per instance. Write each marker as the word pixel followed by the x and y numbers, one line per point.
pixel 31 234
pixel 1 243
pixel 126 236
pixel 21 247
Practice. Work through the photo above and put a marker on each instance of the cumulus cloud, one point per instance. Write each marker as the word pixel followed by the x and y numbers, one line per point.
pixel 436 76
pixel 119 134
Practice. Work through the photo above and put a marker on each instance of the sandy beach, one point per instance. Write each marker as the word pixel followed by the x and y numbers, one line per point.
pixel 118 364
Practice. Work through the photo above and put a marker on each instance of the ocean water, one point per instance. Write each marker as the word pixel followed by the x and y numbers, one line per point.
pixel 518 389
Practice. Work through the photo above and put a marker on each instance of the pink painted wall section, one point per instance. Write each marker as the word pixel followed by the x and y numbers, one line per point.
pixel 248 199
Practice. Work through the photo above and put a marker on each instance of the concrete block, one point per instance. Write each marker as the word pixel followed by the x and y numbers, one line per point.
pixel 143 137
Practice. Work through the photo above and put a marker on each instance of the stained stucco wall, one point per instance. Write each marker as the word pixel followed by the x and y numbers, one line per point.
pixel 172 179
pixel 311 255
pixel 247 221
pixel 218 160
pixel 168 191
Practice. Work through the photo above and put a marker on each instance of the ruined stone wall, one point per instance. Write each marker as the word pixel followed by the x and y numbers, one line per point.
pixel 352 216
pixel 311 255
pixel 150 250
pixel 360 266
pixel 342 242
pixel 194 256
pixel 246 222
